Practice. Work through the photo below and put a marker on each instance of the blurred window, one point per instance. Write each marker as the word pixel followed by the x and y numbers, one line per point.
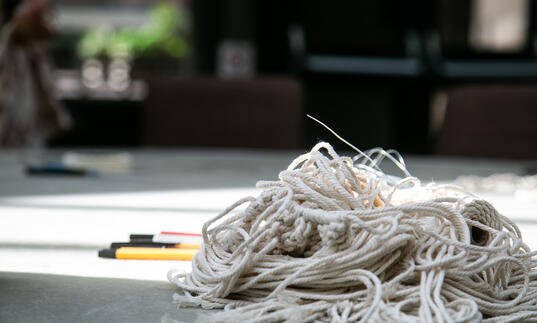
pixel 499 25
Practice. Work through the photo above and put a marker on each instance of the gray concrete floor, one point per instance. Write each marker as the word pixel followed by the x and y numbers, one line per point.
pixel 53 298
pixel 52 227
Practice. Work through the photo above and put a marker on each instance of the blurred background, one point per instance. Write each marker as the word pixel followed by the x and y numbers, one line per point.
pixel 162 113
pixel 447 77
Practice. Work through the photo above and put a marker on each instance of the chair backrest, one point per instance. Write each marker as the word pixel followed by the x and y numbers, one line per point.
pixel 260 113
pixel 490 121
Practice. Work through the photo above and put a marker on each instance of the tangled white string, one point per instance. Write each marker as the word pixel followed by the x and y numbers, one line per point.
pixel 339 241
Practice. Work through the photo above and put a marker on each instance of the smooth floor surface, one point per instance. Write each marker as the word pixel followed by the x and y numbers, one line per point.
pixel 52 227
pixel 67 299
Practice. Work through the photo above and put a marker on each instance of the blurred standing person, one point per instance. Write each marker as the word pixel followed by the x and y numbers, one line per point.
pixel 29 112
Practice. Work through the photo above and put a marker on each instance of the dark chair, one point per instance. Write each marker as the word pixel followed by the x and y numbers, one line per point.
pixel 259 113
pixel 490 121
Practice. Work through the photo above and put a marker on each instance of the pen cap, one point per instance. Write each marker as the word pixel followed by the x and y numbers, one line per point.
pixel 141 236
pixel 107 253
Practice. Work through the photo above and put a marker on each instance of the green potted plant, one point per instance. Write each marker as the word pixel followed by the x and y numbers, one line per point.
pixel 158 45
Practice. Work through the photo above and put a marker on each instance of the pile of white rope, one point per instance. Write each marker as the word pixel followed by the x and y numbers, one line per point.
pixel 337 240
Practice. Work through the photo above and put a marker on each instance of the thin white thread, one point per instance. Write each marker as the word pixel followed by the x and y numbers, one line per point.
pixel 332 241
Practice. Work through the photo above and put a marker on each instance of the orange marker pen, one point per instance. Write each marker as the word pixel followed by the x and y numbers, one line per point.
pixel 149 253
